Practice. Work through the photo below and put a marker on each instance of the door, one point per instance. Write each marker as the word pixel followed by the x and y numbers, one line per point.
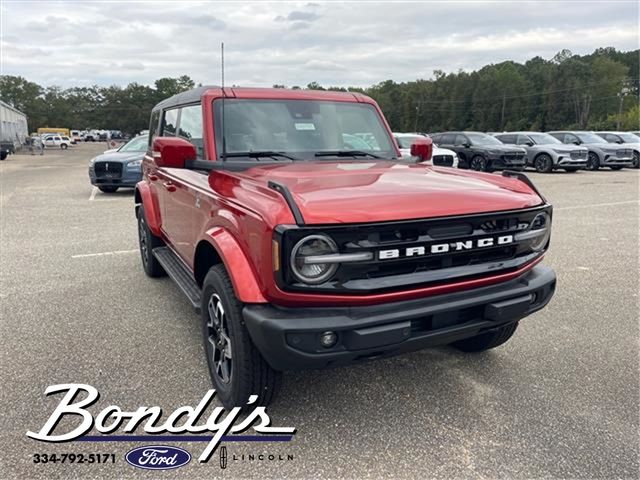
pixel 181 199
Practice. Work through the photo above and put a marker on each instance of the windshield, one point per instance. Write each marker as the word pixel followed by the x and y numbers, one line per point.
pixel 590 138
pixel 300 128
pixel 628 137
pixel 405 141
pixel 138 144
pixel 543 139
pixel 482 139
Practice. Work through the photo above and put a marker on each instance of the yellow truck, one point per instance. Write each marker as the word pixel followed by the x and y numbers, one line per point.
pixel 60 131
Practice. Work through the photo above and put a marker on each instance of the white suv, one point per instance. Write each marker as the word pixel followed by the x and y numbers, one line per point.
pixel 56 141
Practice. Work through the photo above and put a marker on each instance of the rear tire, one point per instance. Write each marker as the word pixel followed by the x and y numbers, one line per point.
pixel 543 163
pixel 593 162
pixel 63 146
pixel 236 367
pixel 488 340
pixel 108 189
pixel 147 241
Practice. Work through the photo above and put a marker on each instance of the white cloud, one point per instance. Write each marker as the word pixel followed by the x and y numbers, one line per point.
pixel 341 44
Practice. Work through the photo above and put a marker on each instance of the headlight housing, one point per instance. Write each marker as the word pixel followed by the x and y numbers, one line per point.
pixel 494 152
pixel 134 164
pixel 304 266
pixel 538 232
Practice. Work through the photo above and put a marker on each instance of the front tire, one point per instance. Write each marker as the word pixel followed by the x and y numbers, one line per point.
pixel 636 160
pixel 488 340
pixel 593 162
pixel 236 367
pixel 147 241
pixel 478 163
pixel 63 146
pixel 543 163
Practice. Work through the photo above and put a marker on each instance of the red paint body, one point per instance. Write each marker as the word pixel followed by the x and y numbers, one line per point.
pixel 238 213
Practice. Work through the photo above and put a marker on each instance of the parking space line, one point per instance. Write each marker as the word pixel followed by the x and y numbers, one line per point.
pixel 103 254
pixel 93 194
pixel 610 204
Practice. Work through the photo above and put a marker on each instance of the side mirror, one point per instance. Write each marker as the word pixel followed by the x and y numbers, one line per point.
pixel 576 142
pixel 619 141
pixel 529 144
pixel 172 152
pixel 422 148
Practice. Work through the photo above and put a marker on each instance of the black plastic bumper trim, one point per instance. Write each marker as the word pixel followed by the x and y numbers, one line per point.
pixel 288 338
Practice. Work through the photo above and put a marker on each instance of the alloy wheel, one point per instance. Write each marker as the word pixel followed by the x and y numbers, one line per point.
pixel 142 235
pixel 219 341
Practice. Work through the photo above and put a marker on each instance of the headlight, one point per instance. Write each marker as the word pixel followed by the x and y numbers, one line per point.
pixel 92 161
pixel 558 150
pixel 304 267
pixel 134 164
pixel 538 232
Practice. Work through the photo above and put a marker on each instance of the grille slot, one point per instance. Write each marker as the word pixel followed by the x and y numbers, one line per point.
pixel 108 169
pixel 443 160
pixel 576 155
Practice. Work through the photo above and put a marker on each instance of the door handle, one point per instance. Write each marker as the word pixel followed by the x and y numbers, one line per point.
pixel 169 186
pixel 153 178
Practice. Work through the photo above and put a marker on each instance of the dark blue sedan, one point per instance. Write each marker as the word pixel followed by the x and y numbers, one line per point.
pixel 121 167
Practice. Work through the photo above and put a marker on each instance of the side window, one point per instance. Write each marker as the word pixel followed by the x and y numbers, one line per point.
pixel 153 125
pixel 507 138
pixel 569 138
pixel 447 139
pixel 436 138
pixel 611 138
pixel 523 140
pixel 190 127
pixel 169 123
pixel 461 140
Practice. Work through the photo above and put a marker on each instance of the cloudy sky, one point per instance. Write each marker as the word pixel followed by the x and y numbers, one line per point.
pixel 294 43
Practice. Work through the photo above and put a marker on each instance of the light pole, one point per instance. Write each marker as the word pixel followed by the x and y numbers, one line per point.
pixel 624 91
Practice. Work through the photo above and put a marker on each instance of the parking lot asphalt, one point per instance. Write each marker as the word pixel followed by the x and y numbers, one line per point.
pixel 561 399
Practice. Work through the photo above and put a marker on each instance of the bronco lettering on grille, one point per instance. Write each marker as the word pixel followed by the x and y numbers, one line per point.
pixel 439 248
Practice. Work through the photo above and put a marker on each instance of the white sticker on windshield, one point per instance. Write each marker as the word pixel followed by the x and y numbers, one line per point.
pixel 305 126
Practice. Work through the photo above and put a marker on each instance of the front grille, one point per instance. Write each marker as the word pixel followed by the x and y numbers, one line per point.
pixel 578 155
pixel 108 169
pixel 513 156
pixel 443 160
pixel 462 260
pixel 624 153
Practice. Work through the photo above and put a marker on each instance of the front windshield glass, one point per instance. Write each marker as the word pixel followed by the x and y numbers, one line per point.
pixel 482 139
pixel 628 137
pixel 406 141
pixel 590 138
pixel 543 138
pixel 300 128
pixel 138 144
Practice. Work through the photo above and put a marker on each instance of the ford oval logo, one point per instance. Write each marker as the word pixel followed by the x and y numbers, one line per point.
pixel 158 457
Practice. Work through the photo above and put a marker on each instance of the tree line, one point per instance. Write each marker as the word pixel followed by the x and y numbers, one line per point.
pixel 595 91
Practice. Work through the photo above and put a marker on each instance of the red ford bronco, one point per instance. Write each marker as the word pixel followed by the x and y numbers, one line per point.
pixel 293 226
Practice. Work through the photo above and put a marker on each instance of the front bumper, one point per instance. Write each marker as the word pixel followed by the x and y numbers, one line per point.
pixel 128 178
pixel 288 338
pixel 612 161
pixel 500 162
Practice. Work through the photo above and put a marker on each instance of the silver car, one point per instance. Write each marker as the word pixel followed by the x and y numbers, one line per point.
pixel 546 153
pixel 601 152
pixel 624 139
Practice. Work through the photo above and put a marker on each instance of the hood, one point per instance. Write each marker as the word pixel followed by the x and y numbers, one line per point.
pixel 380 191
pixel 561 148
pixel 501 148
pixel 110 156
pixel 442 151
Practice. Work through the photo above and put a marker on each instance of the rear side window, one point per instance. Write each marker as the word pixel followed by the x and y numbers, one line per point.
pixel 170 123
pixel 461 140
pixel 190 127
pixel 523 140
pixel 611 138
pixel 447 139
pixel 506 138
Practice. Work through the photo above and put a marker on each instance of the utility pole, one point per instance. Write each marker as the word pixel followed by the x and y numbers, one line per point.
pixel 623 93
pixel 504 101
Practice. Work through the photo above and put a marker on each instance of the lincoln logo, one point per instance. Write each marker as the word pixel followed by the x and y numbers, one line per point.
pixel 106 167
pixel 436 248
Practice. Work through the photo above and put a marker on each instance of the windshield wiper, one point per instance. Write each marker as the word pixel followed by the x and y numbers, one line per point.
pixel 263 153
pixel 346 153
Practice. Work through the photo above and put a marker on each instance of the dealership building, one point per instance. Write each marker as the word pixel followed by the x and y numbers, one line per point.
pixel 13 127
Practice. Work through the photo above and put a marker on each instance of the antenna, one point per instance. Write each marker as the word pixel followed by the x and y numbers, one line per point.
pixel 224 140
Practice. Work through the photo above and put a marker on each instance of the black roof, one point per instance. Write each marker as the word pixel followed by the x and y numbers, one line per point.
pixel 190 96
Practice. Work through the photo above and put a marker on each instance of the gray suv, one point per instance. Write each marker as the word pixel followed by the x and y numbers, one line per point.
pixel 625 139
pixel 601 152
pixel 546 153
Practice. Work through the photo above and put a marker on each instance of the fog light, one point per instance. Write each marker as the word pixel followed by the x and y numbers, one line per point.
pixel 328 339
